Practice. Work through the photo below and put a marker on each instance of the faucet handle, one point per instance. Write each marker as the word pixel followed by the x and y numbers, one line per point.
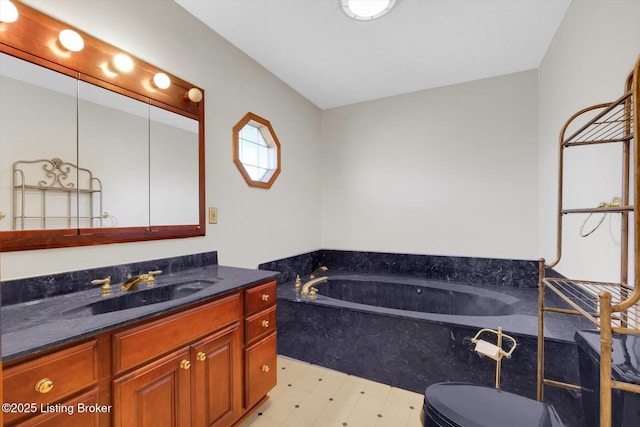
pixel 298 282
pixel 151 277
pixel 106 285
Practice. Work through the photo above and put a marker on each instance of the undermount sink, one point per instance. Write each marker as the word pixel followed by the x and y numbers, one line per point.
pixel 138 298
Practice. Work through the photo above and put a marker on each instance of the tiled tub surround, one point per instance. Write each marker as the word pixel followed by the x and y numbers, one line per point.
pixel 489 271
pixel 410 349
pixel 38 313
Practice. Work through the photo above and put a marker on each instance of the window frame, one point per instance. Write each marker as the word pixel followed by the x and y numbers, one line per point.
pixel 268 134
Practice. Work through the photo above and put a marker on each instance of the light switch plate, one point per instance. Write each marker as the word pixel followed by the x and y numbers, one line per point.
pixel 213 215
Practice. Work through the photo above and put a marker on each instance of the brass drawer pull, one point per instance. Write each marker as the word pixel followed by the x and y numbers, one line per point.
pixel 44 385
pixel 265 368
pixel 265 297
pixel 201 356
pixel 185 364
pixel 265 323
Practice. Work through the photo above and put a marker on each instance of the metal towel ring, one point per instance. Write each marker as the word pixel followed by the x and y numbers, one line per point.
pixel 616 202
pixel 582 233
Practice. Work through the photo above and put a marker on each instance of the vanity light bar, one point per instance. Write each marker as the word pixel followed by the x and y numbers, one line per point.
pixel 71 40
pixel 161 80
pixel 123 62
pixel 42 39
pixel 8 11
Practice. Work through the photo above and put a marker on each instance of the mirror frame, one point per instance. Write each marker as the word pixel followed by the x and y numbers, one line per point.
pixel 34 37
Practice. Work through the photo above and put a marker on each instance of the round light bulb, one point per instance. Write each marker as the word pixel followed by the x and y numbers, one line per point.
pixel 161 80
pixel 8 11
pixel 365 10
pixel 71 40
pixel 194 94
pixel 123 62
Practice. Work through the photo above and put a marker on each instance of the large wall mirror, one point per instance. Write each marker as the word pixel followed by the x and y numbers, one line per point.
pixel 90 154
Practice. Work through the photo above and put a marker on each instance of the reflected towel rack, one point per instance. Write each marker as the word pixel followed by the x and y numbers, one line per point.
pixel 50 194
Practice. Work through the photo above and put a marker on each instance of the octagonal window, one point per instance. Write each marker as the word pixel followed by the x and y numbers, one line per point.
pixel 256 151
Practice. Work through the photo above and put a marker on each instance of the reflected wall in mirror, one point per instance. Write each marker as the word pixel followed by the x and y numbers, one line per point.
pixel 122 157
pixel 113 142
pixel 173 154
pixel 28 91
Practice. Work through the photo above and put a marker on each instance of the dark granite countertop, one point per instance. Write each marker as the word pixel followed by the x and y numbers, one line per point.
pixel 36 325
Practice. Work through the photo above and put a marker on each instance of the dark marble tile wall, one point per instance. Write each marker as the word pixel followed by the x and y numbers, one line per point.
pixel 502 272
pixel 296 265
pixel 28 289
pixel 413 354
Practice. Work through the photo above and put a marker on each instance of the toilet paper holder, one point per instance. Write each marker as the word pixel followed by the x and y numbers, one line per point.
pixel 494 351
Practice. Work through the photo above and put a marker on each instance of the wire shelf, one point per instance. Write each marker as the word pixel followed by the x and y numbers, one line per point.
pixel 582 296
pixel 613 124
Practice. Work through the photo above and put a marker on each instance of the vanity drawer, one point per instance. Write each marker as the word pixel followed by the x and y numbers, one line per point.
pixel 261 368
pixel 56 375
pixel 260 297
pixel 260 324
pixel 144 343
pixel 68 415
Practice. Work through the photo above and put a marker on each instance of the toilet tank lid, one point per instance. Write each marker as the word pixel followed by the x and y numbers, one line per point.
pixel 625 354
pixel 478 406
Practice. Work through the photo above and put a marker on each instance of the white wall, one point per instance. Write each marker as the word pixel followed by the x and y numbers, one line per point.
pixel 467 170
pixel 587 63
pixel 252 222
pixel 448 171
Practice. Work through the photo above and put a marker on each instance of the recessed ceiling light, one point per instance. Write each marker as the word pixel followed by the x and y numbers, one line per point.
pixel 8 11
pixel 366 10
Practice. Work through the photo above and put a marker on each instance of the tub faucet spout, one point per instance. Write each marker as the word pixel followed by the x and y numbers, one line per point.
pixel 317 271
pixel 308 288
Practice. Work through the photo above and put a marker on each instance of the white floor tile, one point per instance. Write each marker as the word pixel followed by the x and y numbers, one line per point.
pixel 360 418
pixel 312 396
pixel 301 417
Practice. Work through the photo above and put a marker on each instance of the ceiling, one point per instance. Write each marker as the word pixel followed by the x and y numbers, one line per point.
pixel 333 60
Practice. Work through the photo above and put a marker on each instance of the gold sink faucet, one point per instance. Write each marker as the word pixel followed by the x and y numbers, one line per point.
pixel 105 289
pixel 152 277
pixel 131 284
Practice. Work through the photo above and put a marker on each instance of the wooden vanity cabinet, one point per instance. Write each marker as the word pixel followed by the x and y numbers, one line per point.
pixel 198 384
pixel 260 341
pixel 206 366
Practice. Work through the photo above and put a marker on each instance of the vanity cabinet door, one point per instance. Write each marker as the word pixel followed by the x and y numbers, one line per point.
pixel 217 378
pixel 157 394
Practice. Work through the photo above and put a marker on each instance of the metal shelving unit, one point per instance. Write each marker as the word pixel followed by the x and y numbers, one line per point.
pixel 611 307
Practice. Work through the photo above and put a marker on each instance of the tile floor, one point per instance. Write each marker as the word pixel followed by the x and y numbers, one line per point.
pixel 312 396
